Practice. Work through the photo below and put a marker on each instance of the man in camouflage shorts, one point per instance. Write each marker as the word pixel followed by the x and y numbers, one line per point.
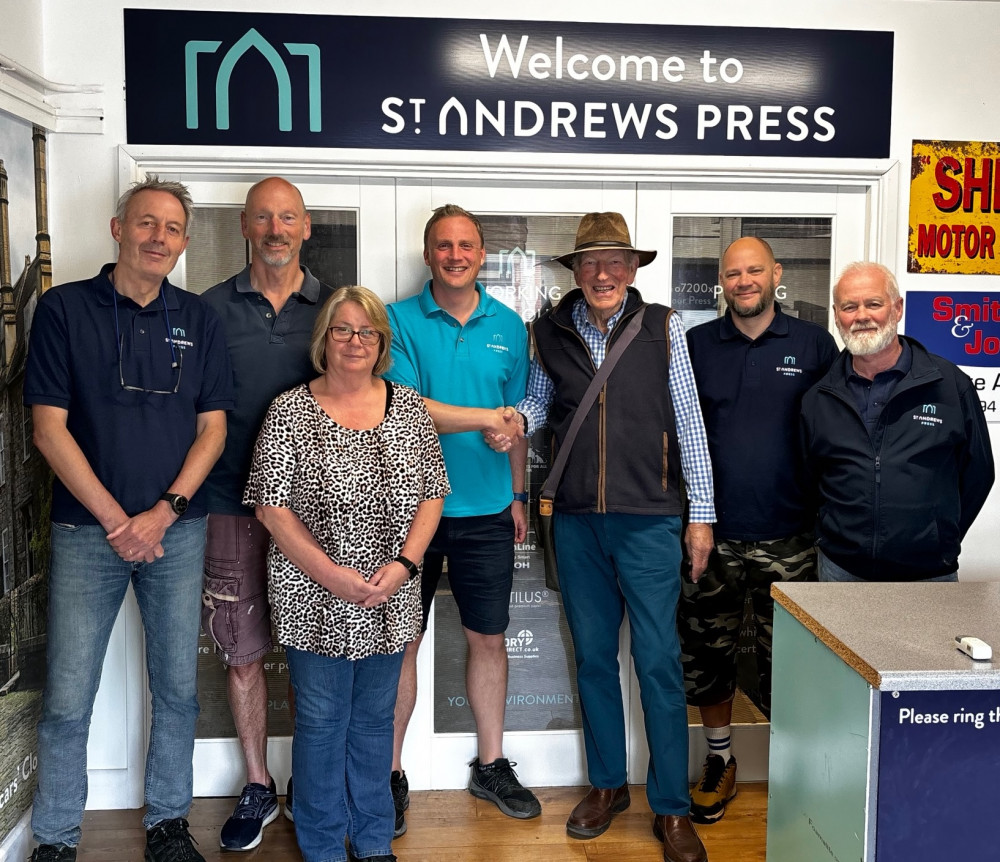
pixel 752 367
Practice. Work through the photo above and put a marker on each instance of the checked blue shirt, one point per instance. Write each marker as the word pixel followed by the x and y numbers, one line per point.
pixel 695 462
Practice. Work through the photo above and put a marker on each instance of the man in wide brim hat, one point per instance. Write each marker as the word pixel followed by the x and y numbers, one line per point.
pixel 617 518
pixel 604 231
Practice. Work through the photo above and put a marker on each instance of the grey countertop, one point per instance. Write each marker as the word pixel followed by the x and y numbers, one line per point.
pixel 900 636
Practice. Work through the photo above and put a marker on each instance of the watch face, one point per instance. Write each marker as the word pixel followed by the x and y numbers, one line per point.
pixel 180 504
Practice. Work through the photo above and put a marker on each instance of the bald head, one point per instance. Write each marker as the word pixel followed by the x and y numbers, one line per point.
pixel 275 222
pixel 749 278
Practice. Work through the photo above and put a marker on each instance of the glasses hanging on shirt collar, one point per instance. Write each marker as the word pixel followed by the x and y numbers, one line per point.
pixel 176 358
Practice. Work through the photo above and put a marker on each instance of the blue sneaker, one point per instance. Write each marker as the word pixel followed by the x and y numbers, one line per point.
pixel 257 807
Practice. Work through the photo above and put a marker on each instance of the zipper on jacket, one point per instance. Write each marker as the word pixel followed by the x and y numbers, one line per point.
pixel 602 476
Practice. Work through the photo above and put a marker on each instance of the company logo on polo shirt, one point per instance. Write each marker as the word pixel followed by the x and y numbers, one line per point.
pixel 788 369
pixel 926 415
pixel 252 39
pixel 177 336
pixel 496 343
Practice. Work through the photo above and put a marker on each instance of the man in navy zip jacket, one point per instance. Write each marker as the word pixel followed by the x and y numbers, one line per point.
pixel 896 443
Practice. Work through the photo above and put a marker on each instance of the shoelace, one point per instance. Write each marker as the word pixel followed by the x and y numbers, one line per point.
pixel 713 775
pixel 251 803
pixel 174 840
pixel 500 777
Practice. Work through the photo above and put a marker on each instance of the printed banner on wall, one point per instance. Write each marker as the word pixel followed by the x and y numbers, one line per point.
pixel 954 207
pixel 963 327
pixel 25 480
pixel 444 84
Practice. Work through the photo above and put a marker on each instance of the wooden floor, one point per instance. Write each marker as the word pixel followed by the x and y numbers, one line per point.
pixel 452 826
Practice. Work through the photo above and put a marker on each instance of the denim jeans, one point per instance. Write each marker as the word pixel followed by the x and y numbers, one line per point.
pixel 610 564
pixel 830 572
pixel 87 584
pixel 342 753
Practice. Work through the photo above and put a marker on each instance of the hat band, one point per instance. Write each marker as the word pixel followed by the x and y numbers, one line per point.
pixel 605 243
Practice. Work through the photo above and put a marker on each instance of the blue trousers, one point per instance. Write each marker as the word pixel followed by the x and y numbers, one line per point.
pixel 610 564
pixel 342 753
pixel 87 584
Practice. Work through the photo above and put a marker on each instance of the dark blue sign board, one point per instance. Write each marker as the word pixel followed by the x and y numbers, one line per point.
pixel 962 326
pixel 937 786
pixel 252 79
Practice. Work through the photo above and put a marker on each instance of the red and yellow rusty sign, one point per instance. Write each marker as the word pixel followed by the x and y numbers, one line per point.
pixel 955 207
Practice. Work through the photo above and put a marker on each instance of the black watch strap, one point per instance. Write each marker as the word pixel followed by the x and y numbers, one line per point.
pixel 178 502
pixel 408 564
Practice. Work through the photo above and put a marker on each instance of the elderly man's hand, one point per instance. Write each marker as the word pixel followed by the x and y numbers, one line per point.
pixel 506 429
pixel 699 541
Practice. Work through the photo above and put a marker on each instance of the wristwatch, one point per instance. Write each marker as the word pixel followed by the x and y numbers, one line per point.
pixel 178 502
pixel 408 564
pixel 521 496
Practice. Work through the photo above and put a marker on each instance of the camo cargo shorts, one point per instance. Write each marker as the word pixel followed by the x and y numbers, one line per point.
pixel 710 612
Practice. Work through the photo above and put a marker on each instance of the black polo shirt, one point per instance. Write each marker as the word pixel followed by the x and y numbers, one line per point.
pixel 269 354
pixel 750 392
pixel 135 441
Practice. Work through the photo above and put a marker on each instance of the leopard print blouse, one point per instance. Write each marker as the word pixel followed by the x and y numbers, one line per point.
pixel 356 492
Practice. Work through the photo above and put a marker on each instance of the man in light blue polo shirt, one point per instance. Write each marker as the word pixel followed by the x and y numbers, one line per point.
pixel 460 349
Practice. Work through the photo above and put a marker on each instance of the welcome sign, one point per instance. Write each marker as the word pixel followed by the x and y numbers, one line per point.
pixel 247 79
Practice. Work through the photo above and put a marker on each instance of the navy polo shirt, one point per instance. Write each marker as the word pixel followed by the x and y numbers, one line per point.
pixel 134 441
pixel 269 354
pixel 750 392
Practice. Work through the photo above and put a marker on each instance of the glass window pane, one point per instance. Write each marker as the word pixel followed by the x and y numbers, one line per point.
pixel 218 250
pixel 801 245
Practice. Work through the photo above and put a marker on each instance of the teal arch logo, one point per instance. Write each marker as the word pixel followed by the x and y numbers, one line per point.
pixel 252 40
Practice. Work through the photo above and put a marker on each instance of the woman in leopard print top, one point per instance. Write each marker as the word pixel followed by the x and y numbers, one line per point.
pixel 348 477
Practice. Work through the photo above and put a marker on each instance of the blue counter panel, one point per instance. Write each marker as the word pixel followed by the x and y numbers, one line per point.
pixel 939 792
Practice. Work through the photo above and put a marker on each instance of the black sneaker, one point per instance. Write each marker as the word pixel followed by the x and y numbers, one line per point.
pixel 170 841
pixel 257 807
pixel 53 853
pixel 498 783
pixel 289 815
pixel 388 858
pixel 400 799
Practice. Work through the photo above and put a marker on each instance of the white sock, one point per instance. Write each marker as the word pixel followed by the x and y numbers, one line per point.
pixel 719 741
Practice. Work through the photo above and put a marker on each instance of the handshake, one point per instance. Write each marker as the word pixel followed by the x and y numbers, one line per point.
pixel 505 428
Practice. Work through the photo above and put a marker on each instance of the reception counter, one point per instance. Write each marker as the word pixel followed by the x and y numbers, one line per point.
pixel 885 739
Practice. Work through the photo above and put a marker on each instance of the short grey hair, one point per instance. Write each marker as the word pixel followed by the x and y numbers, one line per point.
pixel 860 267
pixel 153 183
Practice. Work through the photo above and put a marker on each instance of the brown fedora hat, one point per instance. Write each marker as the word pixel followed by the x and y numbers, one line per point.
pixel 603 231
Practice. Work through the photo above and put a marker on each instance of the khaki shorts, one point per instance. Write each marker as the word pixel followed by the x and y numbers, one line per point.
pixel 235 612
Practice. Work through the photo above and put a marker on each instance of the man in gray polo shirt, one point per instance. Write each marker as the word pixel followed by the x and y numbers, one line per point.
pixel 267 311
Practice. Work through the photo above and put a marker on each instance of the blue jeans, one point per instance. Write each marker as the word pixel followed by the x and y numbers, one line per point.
pixel 87 584
pixel 342 753
pixel 610 564
pixel 830 572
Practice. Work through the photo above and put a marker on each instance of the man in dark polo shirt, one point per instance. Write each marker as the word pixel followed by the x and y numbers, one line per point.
pixel 268 311
pixel 129 384
pixel 752 367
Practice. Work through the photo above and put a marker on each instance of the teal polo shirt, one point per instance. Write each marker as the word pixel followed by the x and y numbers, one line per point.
pixel 481 364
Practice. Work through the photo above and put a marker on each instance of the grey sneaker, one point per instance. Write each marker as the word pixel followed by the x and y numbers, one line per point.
pixel 170 841
pixel 498 783
pixel 400 800
pixel 53 853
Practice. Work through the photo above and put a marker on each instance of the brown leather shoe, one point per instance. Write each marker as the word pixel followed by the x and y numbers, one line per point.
pixel 593 813
pixel 680 842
